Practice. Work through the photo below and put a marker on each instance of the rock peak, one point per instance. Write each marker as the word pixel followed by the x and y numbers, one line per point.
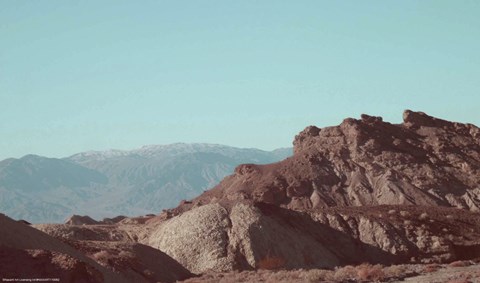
pixel 371 119
pixel 418 119
pixel 366 161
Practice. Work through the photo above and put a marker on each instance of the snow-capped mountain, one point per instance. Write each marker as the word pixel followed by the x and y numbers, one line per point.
pixel 114 182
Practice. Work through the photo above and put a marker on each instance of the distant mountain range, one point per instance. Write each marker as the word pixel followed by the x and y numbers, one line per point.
pixel 109 183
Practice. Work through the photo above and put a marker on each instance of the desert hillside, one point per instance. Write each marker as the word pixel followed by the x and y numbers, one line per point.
pixel 423 161
pixel 365 201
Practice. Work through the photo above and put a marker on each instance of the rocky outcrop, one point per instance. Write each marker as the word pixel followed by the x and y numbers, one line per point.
pixel 259 236
pixel 197 239
pixel 246 235
pixel 135 262
pixel 363 191
pixel 423 161
pixel 27 253
pixel 386 192
pixel 410 233
pixel 85 253
pixel 260 240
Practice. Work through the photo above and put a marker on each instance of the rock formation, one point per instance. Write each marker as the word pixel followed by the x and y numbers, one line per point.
pixel 363 191
pixel 26 252
pixel 423 161
pixel 403 180
pixel 29 253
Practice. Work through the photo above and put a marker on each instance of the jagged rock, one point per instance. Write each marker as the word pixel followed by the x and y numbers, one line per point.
pixel 424 161
pixel 363 191
pixel 341 178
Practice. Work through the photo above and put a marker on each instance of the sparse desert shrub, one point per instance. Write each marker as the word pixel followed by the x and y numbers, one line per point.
pixel 148 273
pixel 238 277
pixel 459 263
pixel 362 273
pixel 423 216
pixel 370 272
pixel 316 275
pixel 396 271
pixel 271 262
pixel 345 273
pixel 101 256
pixel 126 254
pixel 281 276
pixel 431 268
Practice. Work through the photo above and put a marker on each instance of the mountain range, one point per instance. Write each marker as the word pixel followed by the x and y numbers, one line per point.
pixel 118 182
pixel 364 201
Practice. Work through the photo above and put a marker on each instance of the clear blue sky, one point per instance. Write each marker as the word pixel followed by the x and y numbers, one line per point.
pixel 83 75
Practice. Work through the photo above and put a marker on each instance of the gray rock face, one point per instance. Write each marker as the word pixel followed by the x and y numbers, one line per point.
pixel 263 242
pixel 410 233
pixel 262 236
pixel 197 239
pixel 210 237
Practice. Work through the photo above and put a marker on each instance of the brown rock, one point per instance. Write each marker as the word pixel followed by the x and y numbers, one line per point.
pixel 425 161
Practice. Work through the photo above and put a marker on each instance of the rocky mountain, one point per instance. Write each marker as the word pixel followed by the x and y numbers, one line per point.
pixel 365 190
pixel 109 183
pixel 423 161
pixel 362 193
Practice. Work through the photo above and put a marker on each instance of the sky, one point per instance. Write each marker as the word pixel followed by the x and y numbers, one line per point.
pixel 95 75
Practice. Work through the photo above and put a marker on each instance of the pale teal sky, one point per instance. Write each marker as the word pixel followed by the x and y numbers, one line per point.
pixel 83 75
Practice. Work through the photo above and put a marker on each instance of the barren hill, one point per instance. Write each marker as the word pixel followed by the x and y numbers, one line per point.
pixel 365 191
pixel 26 253
pixel 405 179
pixel 423 161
